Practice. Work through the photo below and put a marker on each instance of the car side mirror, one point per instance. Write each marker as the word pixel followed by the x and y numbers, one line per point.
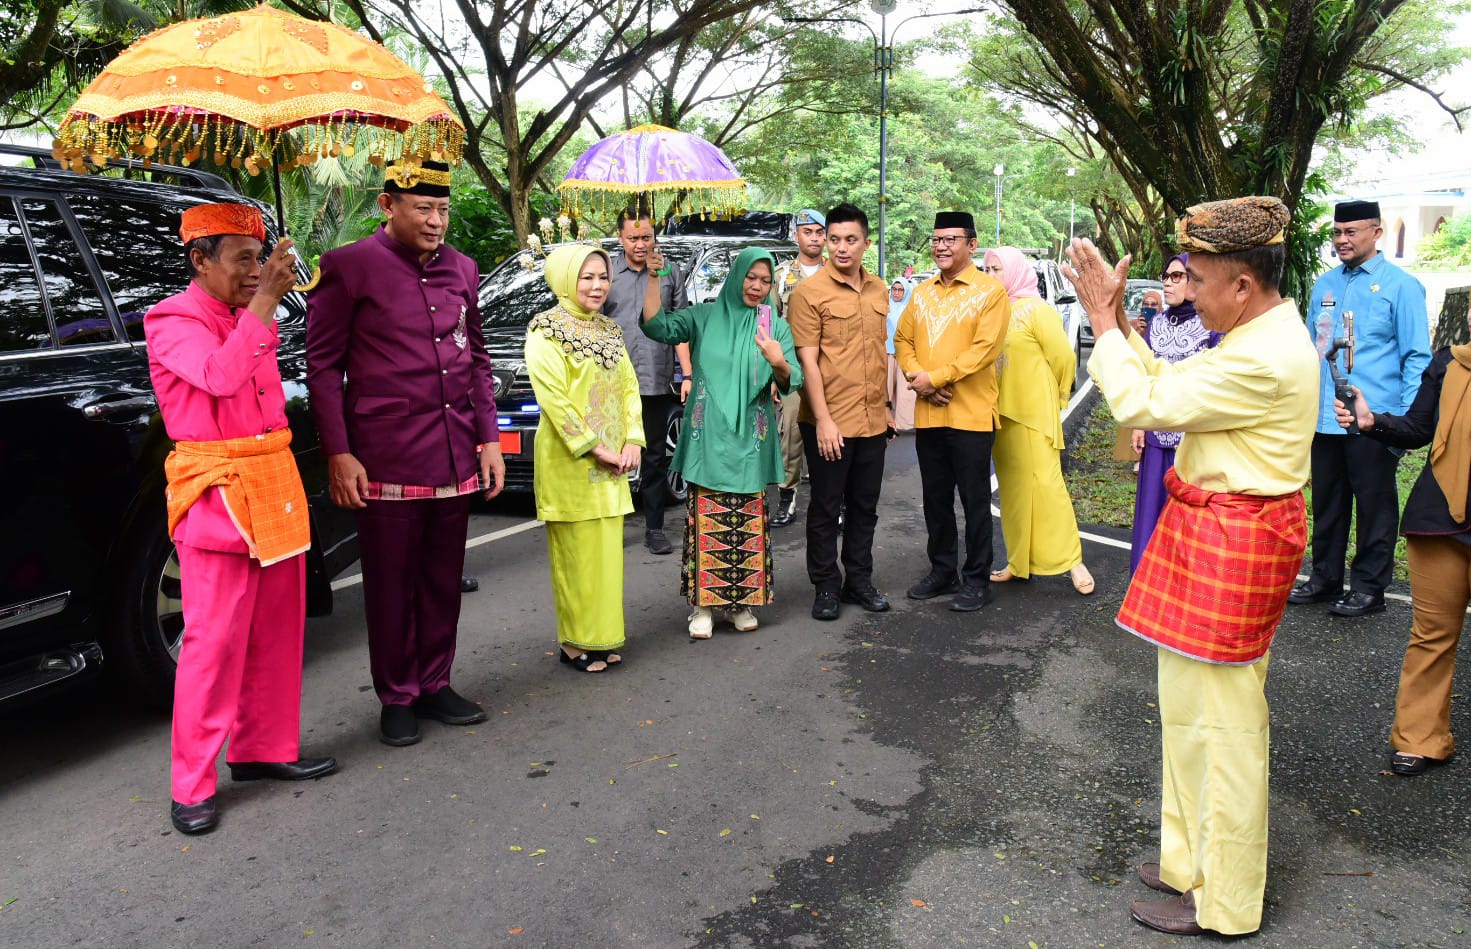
pixel 1067 298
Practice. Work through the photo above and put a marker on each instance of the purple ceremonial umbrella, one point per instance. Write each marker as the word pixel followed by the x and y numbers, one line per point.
pixel 650 162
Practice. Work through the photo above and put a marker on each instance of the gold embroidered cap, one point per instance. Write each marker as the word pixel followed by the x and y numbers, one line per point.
pixel 409 176
pixel 1237 224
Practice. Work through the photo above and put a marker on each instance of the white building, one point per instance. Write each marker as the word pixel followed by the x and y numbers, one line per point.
pixel 1414 208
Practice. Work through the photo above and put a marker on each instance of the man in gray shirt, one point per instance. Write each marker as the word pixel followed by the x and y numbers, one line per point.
pixel 654 362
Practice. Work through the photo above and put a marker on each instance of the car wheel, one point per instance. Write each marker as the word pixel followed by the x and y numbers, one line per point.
pixel 678 487
pixel 148 629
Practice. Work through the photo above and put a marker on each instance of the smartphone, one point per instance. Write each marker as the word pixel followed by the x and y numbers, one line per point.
pixel 763 317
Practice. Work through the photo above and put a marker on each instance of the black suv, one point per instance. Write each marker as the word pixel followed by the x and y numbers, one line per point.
pixel 511 294
pixel 87 571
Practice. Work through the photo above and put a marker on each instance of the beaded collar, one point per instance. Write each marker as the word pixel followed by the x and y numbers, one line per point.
pixel 598 337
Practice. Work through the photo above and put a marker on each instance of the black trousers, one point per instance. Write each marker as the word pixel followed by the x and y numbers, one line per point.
pixel 1351 471
pixel 653 472
pixel 951 459
pixel 853 481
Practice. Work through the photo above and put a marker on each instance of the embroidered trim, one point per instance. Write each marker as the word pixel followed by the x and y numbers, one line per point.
pixel 598 337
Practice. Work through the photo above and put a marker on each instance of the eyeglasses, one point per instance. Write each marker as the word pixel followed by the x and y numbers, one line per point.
pixel 1172 276
pixel 948 241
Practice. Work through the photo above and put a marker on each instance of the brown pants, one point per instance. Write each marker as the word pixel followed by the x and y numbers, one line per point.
pixel 1440 584
pixel 791 439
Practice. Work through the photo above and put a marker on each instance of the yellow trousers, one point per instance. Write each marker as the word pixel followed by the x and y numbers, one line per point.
pixel 1213 818
pixel 587 581
pixel 1037 519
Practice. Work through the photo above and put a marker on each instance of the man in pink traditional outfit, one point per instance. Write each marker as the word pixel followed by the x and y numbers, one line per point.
pixel 237 513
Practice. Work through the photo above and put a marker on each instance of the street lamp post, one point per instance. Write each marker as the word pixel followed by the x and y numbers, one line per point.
pixel 998 171
pixel 1072 204
pixel 883 64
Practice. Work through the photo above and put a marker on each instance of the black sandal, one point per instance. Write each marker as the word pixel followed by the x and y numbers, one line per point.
pixel 1410 765
pixel 583 660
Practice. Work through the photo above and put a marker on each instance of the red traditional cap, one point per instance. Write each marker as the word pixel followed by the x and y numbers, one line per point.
pixel 209 220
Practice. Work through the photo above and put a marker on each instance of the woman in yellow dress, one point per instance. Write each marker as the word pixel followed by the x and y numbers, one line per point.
pixel 1034 375
pixel 588 440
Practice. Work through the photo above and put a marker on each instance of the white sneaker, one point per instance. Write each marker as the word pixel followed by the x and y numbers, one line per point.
pixel 743 620
pixel 702 623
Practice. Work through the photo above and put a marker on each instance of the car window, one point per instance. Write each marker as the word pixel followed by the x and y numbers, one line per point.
pixel 704 284
pixel 512 295
pixel 23 324
pixel 76 306
pixel 1042 281
pixel 142 262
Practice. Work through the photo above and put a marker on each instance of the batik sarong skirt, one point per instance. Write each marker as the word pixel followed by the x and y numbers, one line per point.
pixel 727 549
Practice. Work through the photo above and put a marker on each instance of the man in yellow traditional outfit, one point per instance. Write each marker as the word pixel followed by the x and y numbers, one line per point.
pixel 1215 577
pixel 236 509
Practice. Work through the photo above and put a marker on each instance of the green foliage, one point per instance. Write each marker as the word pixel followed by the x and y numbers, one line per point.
pixel 944 140
pixel 1450 245
pixel 480 228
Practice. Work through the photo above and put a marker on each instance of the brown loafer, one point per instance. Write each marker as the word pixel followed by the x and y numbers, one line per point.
pixel 1174 915
pixel 1149 876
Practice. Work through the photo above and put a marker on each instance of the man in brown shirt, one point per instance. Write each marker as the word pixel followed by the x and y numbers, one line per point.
pixel 839 324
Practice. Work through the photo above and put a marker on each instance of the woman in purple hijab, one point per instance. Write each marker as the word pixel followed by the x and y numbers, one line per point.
pixel 1175 334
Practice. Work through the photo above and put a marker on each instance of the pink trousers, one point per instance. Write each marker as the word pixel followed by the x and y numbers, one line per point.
pixel 240 665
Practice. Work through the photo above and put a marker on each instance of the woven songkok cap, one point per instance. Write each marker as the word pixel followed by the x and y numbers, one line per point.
pixel 1227 227
pixel 215 220
pixel 411 176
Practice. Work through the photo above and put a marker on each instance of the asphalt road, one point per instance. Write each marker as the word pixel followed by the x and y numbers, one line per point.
pixel 918 778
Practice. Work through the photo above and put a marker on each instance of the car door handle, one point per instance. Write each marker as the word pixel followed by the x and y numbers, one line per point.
pixel 120 408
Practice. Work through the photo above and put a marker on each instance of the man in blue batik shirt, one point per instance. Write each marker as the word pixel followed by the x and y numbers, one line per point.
pixel 1391 350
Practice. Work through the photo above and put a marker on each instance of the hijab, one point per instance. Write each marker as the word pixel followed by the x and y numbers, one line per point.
pixel 562 269
pixel 896 307
pixel 734 373
pixel 1185 309
pixel 1017 274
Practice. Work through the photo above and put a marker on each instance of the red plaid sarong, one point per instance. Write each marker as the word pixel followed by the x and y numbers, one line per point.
pixel 1215 577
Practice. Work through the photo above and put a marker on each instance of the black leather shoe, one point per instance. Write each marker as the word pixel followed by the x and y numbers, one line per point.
pixel 657 543
pixel 302 769
pixel 867 597
pixel 1314 591
pixel 194 818
pixel 1357 604
pixel 934 584
pixel 786 509
pixel 397 726
pixel 450 707
pixel 970 599
pixel 825 606
pixel 469 584
pixel 1407 766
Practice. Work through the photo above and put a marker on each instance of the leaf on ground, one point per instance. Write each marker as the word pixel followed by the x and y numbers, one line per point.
pixel 725 832
pixel 798 905
pixel 755 817
pixel 536 853
pixel 831 859
pixel 999 856
pixel 515 931
pixel 1355 810
pixel 184 849
pixel 591 840
pixel 135 799
pixel 515 849
pixel 9 901
pixel 919 903
pixel 662 833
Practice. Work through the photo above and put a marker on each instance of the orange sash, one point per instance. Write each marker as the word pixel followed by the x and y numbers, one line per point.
pixel 262 490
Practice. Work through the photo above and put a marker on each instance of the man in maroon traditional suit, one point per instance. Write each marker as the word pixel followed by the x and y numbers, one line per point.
pixel 410 437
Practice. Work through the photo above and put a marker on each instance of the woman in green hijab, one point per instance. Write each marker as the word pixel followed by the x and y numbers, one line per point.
pixel 729 450
pixel 588 440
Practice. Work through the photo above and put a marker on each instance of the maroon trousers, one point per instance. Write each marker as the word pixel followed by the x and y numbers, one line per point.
pixel 413 553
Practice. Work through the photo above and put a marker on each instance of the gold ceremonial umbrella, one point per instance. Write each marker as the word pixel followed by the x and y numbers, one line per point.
pixel 234 86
